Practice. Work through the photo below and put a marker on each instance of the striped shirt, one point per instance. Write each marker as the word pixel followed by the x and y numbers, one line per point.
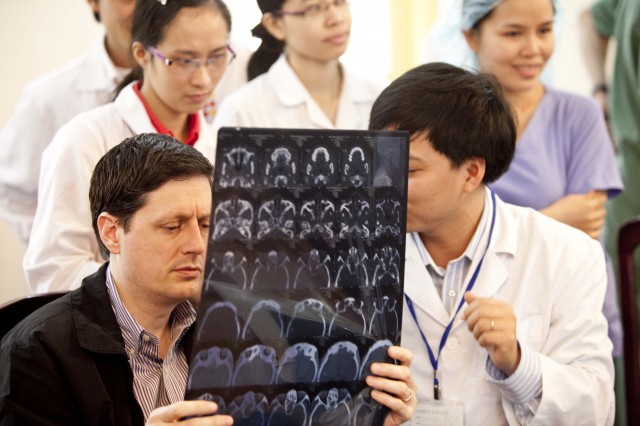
pixel 452 280
pixel 524 386
pixel 156 382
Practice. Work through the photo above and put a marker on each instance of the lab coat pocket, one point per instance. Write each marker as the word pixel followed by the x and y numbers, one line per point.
pixel 487 391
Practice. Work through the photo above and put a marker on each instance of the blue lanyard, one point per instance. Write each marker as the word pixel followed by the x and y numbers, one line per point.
pixel 434 360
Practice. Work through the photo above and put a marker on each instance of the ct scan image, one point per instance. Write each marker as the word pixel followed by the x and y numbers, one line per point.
pixel 321 165
pixel 318 216
pixel 356 169
pixel 313 270
pixel 233 219
pixel 232 265
pixel 237 167
pixel 271 271
pixel 277 218
pixel 304 279
pixel 280 165
pixel 354 215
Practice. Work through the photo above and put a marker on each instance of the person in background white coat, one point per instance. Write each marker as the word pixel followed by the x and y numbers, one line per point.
pixel 182 51
pixel 297 80
pixel 503 305
pixel 52 100
pixel 81 85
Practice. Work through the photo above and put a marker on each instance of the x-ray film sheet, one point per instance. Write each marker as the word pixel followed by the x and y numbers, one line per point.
pixel 304 279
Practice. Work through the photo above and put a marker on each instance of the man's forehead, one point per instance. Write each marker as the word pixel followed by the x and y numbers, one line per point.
pixel 180 196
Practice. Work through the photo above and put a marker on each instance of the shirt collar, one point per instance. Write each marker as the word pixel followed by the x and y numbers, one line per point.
pixel 183 316
pixel 193 121
pixel 287 86
pixel 481 234
pixel 98 71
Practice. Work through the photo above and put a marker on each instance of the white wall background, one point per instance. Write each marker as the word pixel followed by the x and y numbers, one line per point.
pixel 39 35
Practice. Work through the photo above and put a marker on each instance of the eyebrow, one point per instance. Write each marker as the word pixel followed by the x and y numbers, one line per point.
pixel 171 217
pixel 181 217
pixel 518 26
pixel 191 52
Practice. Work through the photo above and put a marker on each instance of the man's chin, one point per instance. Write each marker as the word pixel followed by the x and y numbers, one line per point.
pixel 191 290
pixel 195 299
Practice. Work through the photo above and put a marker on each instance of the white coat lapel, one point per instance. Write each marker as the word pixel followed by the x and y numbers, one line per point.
pixel 494 272
pixel 492 276
pixel 356 94
pixel 133 112
pixel 316 115
pixel 291 92
pixel 419 286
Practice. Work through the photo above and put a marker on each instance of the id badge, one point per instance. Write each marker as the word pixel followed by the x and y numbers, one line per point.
pixel 445 412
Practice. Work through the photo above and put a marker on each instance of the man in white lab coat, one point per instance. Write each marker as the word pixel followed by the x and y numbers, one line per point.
pixel 503 306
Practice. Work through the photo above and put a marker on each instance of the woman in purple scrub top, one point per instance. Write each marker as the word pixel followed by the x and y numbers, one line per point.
pixel 564 164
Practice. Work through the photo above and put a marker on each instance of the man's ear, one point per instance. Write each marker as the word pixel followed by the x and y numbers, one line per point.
pixel 471 36
pixel 140 54
pixel 475 168
pixel 273 25
pixel 108 230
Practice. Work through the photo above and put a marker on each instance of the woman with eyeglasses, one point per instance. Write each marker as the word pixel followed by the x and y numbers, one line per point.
pixel 181 50
pixel 296 76
pixel 564 163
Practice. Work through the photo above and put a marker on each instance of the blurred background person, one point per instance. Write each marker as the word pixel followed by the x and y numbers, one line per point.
pixel 297 79
pixel 181 51
pixel 564 164
pixel 620 21
pixel 53 99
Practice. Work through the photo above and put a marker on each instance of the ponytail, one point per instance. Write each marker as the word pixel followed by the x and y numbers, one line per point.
pixel 267 54
pixel 271 48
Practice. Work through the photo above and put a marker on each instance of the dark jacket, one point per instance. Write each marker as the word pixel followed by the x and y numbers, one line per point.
pixel 65 364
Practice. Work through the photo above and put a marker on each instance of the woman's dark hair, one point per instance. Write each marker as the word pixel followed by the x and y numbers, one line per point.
pixel 464 115
pixel 128 172
pixel 271 48
pixel 151 18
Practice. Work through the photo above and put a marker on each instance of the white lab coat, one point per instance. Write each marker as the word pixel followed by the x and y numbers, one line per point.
pixel 46 104
pixel 63 249
pixel 553 277
pixel 278 99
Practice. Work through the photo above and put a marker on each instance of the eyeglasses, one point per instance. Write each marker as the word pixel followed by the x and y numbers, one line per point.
pixel 314 9
pixel 213 63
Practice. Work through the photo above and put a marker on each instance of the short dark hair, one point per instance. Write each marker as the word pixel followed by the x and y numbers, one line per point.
pixel 464 115
pixel 138 165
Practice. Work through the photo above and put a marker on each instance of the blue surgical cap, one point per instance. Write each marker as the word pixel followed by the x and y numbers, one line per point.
pixel 474 10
